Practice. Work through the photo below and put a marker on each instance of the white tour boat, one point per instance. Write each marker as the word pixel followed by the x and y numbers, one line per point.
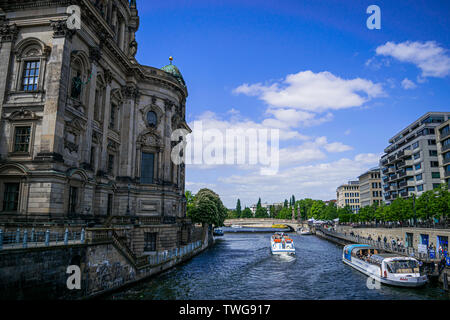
pixel 236 226
pixel 304 232
pixel 386 268
pixel 281 243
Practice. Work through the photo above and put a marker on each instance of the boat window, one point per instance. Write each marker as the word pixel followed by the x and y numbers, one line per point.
pixel 403 266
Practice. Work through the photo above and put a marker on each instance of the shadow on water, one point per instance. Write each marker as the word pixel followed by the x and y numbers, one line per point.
pixel 241 266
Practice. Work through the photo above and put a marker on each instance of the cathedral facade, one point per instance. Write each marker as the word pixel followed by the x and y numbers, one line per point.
pixel 85 130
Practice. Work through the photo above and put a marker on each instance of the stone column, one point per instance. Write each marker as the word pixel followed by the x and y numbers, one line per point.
pixel 8 34
pixel 106 114
pixel 86 151
pixel 58 69
pixel 128 143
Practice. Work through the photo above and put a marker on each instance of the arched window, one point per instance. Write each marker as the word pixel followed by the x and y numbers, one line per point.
pixel 79 76
pixel 31 57
pixel 152 118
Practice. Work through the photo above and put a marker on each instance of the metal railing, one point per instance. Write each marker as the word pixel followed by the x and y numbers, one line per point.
pixel 167 255
pixel 31 238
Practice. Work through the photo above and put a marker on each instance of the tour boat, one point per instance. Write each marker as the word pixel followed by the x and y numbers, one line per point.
pixel 281 243
pixel 218 232
pixel 384 267
pixel 304 231
pixel 236 226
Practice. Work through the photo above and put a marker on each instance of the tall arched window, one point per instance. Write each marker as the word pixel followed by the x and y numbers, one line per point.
pixel 31 58
pixel 79 76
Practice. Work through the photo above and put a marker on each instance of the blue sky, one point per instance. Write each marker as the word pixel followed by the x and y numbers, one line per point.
pixel 336 90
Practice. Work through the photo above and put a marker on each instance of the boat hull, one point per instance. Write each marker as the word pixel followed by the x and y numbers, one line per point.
pixel 407 282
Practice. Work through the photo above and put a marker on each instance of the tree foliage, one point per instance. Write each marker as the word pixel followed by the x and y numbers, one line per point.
pixel 207 208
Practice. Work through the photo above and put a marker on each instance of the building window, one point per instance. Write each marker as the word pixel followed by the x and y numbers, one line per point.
pixel 419 177
pixel 150 241
pixel 151 119
pixel 109 205
pixel 431 142
pixel 417 156
pixel 110 164
pixel 112 116
pixel 418 166
pixel 73 196
pixel 436 185
pixel 436 175
pixel 11 197
pixel 415 145
pixel 147 168
pixel 22 139
pixel 434 164
pixel 30 77
pixel 420 188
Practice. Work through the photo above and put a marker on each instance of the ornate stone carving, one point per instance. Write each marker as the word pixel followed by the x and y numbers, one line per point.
pixel 113 146
pixel 130 92
pixel 60 29
pixel 149 139
pixel 22 114
pixel 95 54
pixel 8 32
pixel 108 76
pixel 133 48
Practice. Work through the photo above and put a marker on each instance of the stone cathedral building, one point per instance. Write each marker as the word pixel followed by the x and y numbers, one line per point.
pixel 85 130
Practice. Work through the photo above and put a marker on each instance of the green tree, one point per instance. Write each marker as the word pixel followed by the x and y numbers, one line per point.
pixel 208 208
pixel 261 213
pixel 238 208
pixel 247 213
pixel 285 213
pixel 317 210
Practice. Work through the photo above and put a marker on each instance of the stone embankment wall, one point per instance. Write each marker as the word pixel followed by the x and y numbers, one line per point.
pixel 41 273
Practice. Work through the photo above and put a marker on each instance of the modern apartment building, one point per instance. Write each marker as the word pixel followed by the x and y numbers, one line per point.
pixel 443 149
pixel 410 163
pixel 370 188
pixel 348 195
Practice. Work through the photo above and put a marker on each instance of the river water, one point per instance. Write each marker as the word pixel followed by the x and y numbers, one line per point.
pixel 240 266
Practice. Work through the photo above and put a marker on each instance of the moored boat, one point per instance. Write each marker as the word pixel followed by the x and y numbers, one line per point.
pixel 218 232
pixel 304 231
pixel 384 267
pixel 281 243
pixel 236 226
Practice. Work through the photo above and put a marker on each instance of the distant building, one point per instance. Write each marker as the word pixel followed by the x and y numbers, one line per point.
pixel 348 195
pixel 329 202
pixel 370 189
pixel 410 165
pixel 443 150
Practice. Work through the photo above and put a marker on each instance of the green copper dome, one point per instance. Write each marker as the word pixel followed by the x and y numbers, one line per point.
pixel 173 70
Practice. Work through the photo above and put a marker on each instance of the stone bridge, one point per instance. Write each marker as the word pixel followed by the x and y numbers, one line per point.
pixel 263 223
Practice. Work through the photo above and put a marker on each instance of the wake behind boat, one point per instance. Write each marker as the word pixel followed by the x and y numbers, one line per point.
pixel 280 243
pixel 386 268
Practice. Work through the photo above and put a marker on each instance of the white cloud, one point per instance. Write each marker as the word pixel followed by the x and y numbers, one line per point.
pixel 314 92
pixel 318 181
pixel 408 84
pixel 429 57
